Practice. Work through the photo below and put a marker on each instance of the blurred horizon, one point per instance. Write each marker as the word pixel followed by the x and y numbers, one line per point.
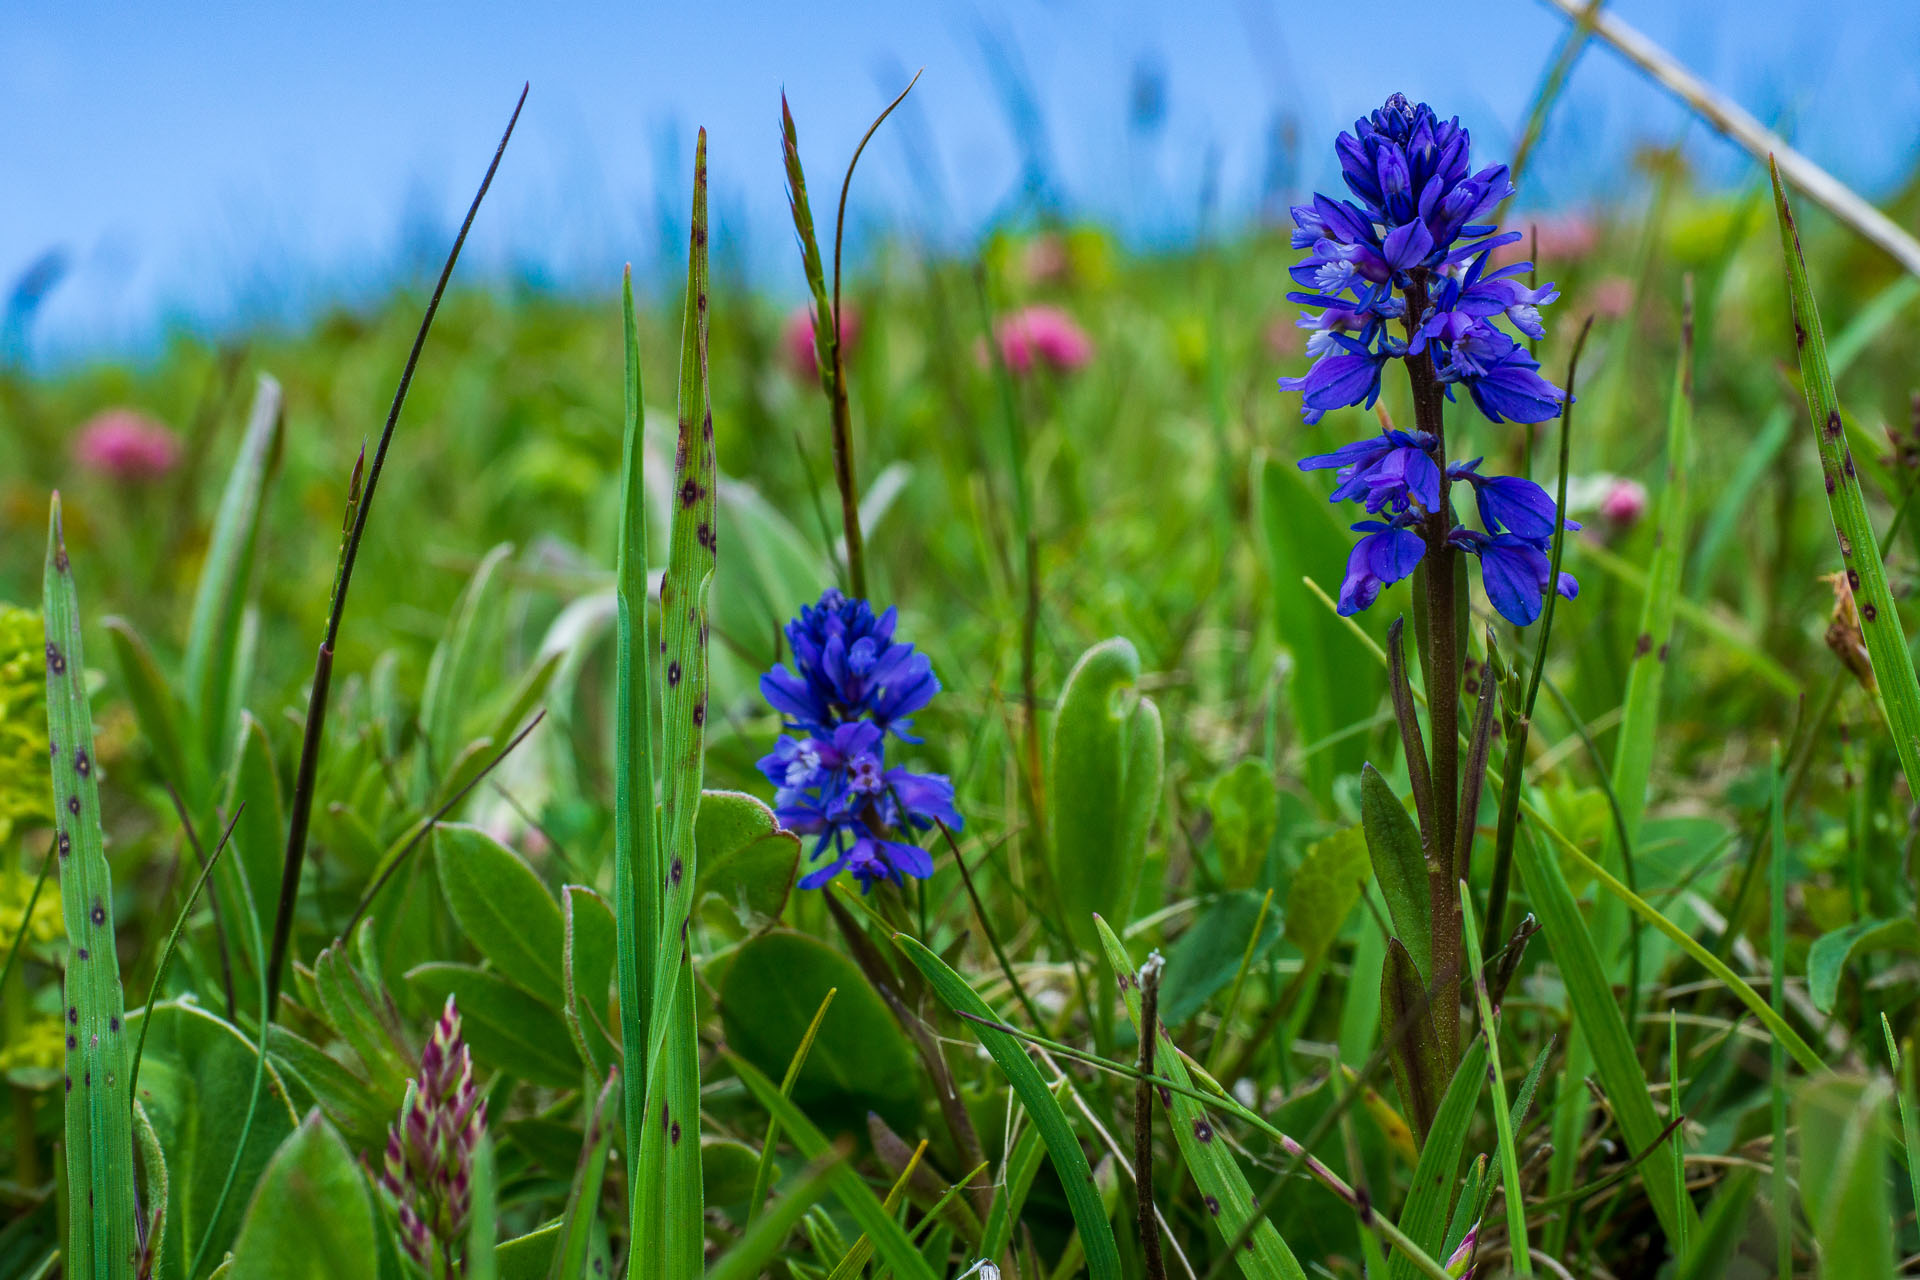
pixel 218 169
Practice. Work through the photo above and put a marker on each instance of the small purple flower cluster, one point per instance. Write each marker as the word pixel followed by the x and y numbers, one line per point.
pixel 1417 241
pixel 852 685
pixel 428 1169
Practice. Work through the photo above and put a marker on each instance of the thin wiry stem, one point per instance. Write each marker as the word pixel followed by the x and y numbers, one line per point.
pixel 306 777
pixel 1156 1266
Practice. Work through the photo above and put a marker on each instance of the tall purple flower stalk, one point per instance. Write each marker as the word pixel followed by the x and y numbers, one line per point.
pixel 853 686
pixel 1413 249
pixel 428 1167
pixel 1402 272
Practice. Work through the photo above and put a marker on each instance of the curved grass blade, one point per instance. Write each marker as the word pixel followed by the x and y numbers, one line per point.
pixel 1743 991
pixel 855 1196
pixel 1228 1197
pixel 1069 1161
pixel 1859 551
pixel 101 1203
pixel 763 1172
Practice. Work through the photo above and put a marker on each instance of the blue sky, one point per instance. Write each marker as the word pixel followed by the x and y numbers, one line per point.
pixel 221 163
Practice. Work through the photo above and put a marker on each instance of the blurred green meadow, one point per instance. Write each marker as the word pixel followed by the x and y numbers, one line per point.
pixel 1016 519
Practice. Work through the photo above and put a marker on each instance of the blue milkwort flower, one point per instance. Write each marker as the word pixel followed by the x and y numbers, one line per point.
pixel 850 667
pixel 1418 224
pixel 1411 251
pixel 855 685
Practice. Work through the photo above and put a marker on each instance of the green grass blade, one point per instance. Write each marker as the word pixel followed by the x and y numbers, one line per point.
pixel 1843 1182
pixel 855 1196
pixel 220 597
pixel 1640 717
pixel 636 858
pixel 1646 677
pixel 583 1202
pixel 1424 1215
pixel 1776 1047
pixel 763 1171
pixel 751 1253
pixel 1859 551
pixel 483 1220
pixel 1502 1122
pixel 1596 1015
pixel 1228 1198
pixel 855 1262
pixel 670 1148
pixel 1069 1161
pixel 99 1112
pixel 1016 1179
pixel 1742 990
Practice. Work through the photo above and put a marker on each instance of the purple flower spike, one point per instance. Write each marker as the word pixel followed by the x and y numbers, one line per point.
pixel 1411 253
pixel 853 688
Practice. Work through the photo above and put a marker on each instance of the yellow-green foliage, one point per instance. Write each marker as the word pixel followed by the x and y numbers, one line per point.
pixel 23 725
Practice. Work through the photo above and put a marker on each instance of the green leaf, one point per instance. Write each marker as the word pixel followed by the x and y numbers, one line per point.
pixel 1229 1199
pixel 1246 809
pixel 746 860
pixel 1424 1215
pixel 506 1027
pixel 98 1113
pixel 1069 1161
pixel 1208 954
pixel 157 711
pixel 1827 958
pixel 1325 888
pixel 1106 764
pixel 1400 865
pixel 220 597
pixel 459 660
pixel 591 939
pixel 503 909
pixel 196 1081
pixel 311 1218
pixel 1859 551
pixel 1843 1175
pixel 859 1062
pixel 1413 1038
pixel 260 827
pixel 354 1106
pixel 528 1257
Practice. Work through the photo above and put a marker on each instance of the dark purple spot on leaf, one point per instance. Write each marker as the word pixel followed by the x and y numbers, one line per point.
pixel 1213 1206
pixel 1643 645
pixel 1203 1131
pixel 673 673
